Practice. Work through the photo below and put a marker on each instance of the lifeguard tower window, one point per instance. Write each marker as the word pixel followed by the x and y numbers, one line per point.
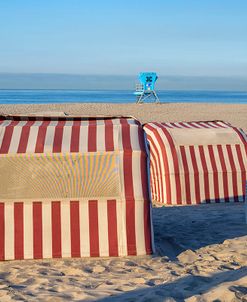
pixel 145 89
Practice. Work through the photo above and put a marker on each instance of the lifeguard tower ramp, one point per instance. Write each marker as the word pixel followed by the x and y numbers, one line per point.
pixel 145 89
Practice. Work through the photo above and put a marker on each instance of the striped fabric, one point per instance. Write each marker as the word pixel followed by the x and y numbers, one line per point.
pixel 197 162
pixel 79 188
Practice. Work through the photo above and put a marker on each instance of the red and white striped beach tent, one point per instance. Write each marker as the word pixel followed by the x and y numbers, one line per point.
pixel 197 162
pixel 73 187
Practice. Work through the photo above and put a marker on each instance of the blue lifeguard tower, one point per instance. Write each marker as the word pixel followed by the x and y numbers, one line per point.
pixel 145 89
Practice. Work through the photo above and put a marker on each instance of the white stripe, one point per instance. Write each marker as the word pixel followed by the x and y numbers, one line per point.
pixel 229 173
pixel 5 123
pixel 189 126
pixel 116 133
pixel 28 230
pixel 49 139
pixel 196 125
pixel 206 125
pixel 136 175
pixel 84 229
pixel 15 139
pixel 65 228
pixel 46 230
pixel 223 124
pixel 134 137
pixel 121 227
pixel 238 168
pixel 103 228
pixel 100 136
pixel 66 141
pixel 33 134
pixel 139 227
pixel 220 174
pixel 83 140
pixel 9 231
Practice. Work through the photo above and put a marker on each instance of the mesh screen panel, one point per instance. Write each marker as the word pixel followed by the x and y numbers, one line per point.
pixel 59 175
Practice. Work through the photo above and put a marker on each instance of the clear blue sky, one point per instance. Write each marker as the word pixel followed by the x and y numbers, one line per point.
pixel 186 37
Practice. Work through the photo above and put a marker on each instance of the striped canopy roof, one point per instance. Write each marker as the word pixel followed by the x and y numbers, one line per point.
pixel 196 162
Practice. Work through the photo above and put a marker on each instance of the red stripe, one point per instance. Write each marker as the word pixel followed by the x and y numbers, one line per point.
pixel 37 230
pixel 56 230
pixel 175 125
pixel 196 174
pixel 75 136
pixel 75 228
pixel 7 137
pixel 58 137
pixel 93 228
pixel 2 231
pixel 128 187
pixel 186 175
pixel 92 136
pixel 147 227
pixel 112 227
pixel 224 173
pixel 242 167
pixel 163 161
pixel 234 172
pixel 158 175
pixel 204 125
pixel 39 148
pixel 215 174
pixel 184 125
pixel 205 174
pixel 175 164
pixel 194 125
pixel 18 230
pixel 109 144
pixel 24 137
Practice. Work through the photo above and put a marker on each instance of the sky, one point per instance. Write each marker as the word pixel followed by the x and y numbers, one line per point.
pixel 178 38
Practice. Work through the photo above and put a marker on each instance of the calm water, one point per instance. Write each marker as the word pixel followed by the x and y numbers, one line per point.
pixel 116 96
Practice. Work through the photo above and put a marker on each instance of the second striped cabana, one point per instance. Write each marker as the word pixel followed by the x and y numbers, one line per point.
pixel 73 187
pixel 197 162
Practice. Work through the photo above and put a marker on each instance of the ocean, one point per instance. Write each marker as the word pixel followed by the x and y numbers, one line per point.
pixel 117 96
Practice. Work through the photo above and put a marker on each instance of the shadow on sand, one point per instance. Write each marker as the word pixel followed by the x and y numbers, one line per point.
pixel 184 288
pixel 177 229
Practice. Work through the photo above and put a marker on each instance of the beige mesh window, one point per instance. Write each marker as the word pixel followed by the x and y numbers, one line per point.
pixel 59 176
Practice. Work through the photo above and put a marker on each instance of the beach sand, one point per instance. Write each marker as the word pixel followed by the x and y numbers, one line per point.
pixel 235 114
pixel 201 251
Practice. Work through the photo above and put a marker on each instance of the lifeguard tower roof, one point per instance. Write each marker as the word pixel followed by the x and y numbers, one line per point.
pixel 148 80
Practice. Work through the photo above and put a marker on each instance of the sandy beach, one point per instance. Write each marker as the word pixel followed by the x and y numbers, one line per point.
pixel 201 251
pixel 233 113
